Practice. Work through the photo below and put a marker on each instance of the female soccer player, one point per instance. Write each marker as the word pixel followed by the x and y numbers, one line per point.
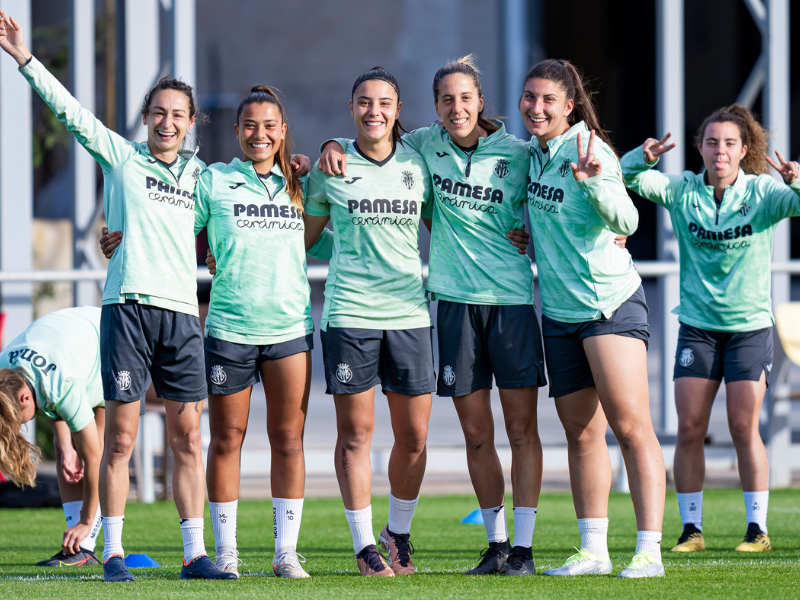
pixel 376 325
pixel 54 365
pixel 149 326
pixel 723 219
pixel 594 320
pixel 259 323
pixel 486 320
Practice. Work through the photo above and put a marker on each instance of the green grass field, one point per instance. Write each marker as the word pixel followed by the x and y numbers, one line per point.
pixel 444 549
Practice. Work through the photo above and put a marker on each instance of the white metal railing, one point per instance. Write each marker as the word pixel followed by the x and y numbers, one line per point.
pixel 646 268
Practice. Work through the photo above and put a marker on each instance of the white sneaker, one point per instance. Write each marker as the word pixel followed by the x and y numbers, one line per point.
pixel 644 564
pixel 227 560
pixel 583 563
pixel 287 565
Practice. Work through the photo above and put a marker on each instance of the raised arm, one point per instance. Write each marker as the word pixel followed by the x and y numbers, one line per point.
pixel 637 169
pixel 108 148
pixel 601 181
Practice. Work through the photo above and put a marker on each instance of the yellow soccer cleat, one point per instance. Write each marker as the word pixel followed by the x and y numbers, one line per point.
pixel 755 540
pixel 691 540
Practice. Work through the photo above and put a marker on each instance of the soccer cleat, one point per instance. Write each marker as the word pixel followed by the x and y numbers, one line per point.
pixel 583 563
pixel 493 559
pixel 691 540
pixel 520 562
pixel 399 548
pixel 755 540
pixel 227 560
pixel 201 567
pixel 287 565
pixel 644 564
pixel 372 564
pixel 82 558
pixel 114 569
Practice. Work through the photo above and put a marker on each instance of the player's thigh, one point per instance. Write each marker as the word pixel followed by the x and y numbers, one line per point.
pixel 286 374
pixel 694 398
pixel 410 416
pixel 568 369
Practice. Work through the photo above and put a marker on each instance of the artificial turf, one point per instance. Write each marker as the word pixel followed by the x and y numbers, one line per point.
pixel 444 550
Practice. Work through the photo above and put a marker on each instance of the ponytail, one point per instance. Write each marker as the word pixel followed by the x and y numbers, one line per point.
pixel 382 74
pixel 263 94
pixel 18 457
pixel 753 134
pixel 466 65
pixel 569 78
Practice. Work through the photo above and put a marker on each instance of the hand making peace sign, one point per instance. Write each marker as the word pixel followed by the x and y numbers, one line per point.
pixel 653 148
pixel 788 170
pixel 588 164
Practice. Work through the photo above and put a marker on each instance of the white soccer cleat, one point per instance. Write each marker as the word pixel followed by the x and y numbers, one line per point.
pixel 287 565
pixel 227 560
pixel 644 564
pixel 583 563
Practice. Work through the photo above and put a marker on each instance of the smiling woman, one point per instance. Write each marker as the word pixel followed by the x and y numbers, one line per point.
pixel 149 327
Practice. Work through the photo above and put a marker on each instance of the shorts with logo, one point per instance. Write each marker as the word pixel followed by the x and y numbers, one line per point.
pixel 734 356
pixel 567 366
pixel 139 342
pixel 401 360
pixel 477 341
pixel 232 367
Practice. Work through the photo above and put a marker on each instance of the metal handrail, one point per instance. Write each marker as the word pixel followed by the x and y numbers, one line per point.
pixel 645 268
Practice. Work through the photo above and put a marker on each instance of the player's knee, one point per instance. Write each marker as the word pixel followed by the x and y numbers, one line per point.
pixel 630 436
pixel 188 443
pixel 286 442
pixel 477 435
pixel 690 432
pixel 742 431
pixel 413 442
pixel 521 434
pixel 118 447
pixel 355 438
pixel 227 440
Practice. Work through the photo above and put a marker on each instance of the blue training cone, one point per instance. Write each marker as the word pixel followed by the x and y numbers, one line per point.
pixel 474 518
pixel 139 561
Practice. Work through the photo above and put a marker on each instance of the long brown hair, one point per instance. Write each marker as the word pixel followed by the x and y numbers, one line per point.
pixel 569 78
pixel 382 74
pixel 466 65
pixel 754 136
pixel 18 457
pixel 263 94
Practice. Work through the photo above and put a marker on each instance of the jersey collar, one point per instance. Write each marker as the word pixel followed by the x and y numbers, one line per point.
pixel 377 163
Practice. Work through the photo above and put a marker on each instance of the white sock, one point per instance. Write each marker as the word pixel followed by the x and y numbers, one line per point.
pixel 72 512
pixel 400 514
pixel 89 542
pixel 193 544
pixel 360 522
pixel 112 528
pixel 691 507
pixel 756 504
pixel 649 541
pixel 223 522
pixel 286 516
pixel 494 520
pixel 524 522
pixel 594 536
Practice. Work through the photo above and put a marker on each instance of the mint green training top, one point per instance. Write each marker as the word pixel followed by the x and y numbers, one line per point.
pixel 725 248
pixel 59 355
pixel 375 275
pixel 151 203
pixel 480 195
pixel 260 294
pixel 583 274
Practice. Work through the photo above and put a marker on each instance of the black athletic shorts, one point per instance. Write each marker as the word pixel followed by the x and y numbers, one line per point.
pixel 139 342
pixel 232 367
pixel 567 366
pixel 477 341
pixel 734 356
pixel 401 360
